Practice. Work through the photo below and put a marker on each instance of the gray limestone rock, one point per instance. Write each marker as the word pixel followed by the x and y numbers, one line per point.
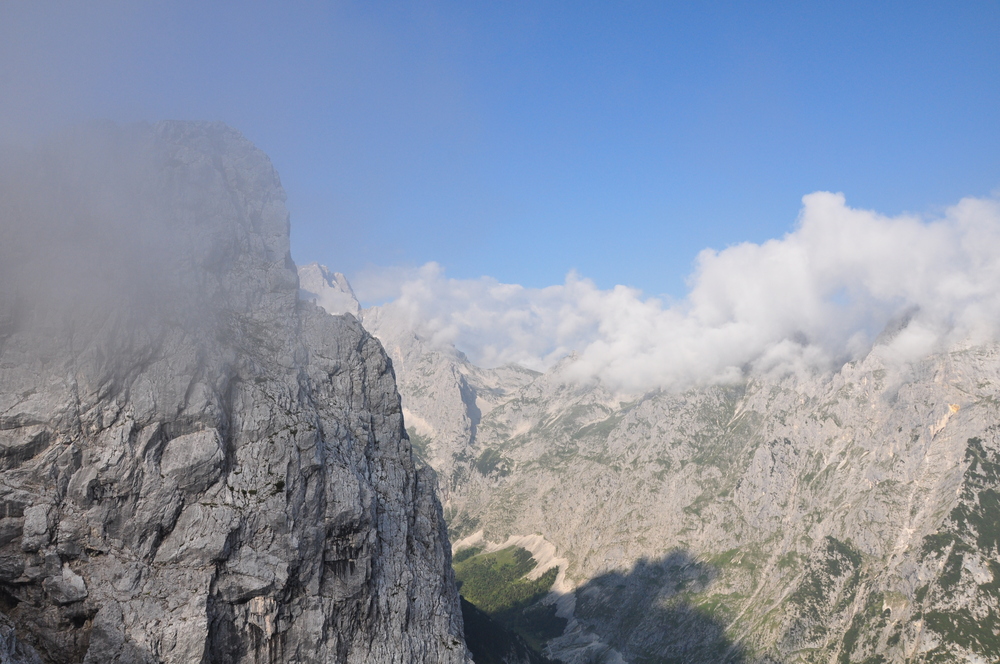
pixel 193 461
pixel 66 587
pixel 194 465
pixel 330 290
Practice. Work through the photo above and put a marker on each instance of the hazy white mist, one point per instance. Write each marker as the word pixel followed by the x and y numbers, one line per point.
pixel 809 301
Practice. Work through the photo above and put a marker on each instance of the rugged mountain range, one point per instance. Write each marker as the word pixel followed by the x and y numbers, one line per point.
pixel 195 465
pixel 852 516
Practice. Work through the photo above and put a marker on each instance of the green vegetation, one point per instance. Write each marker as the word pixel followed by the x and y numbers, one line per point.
pixel 491 462
pixel 973 530
pixel 495 584
pixel 558 456
pixel 841 553
pixel 867 624
pixel 536 624
pixel 465 554
pixel 827 588
pixel 960 627
pixel 937 543
pixel 720 606
pixel 951 574
pixel 789 561
pixel 493 581
pixel 979 511
pixel 599 430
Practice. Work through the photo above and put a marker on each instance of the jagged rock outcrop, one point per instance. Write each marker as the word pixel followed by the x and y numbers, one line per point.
pixel 330 290
pixel 195 466
pixel 844 517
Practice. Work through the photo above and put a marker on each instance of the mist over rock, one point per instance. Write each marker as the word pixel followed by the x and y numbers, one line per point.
pixel 195 465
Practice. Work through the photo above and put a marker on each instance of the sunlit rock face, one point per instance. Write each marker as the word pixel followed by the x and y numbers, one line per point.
pixel 848 516
pixel 329 290
pixel 196 466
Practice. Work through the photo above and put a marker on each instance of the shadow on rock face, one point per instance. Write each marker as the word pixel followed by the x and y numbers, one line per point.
pixel 651 613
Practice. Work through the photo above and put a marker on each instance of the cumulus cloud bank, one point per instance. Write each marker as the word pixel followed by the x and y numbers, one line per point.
pixel 809 301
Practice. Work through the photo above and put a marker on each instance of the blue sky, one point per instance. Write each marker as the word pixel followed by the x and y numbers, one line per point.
pixel 525 140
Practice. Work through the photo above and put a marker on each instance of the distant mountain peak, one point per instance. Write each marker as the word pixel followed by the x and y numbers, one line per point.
pixel 329 290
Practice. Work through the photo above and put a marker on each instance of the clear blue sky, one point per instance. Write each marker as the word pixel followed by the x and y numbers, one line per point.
pixel 525 139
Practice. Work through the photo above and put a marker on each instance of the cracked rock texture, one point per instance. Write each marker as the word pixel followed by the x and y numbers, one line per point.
pixel 194 465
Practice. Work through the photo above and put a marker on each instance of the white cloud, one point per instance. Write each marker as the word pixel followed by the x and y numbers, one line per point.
pixel 807 301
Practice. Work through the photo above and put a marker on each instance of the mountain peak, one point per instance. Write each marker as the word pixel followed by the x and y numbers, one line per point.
pixel 329 290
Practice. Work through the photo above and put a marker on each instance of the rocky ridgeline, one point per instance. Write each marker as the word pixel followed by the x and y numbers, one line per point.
pixel 852 517
pixel 196 465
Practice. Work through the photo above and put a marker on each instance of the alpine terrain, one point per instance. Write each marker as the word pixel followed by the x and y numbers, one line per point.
pixel 851 516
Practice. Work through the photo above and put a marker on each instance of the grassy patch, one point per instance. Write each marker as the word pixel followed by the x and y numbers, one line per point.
pixel 465 554
pixel 495 584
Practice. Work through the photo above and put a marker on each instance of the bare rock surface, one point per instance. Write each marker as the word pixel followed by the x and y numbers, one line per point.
pixel 330 290
pixel 195 466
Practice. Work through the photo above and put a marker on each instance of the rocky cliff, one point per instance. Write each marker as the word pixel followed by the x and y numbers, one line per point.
pixel 851 516
pixel 195 466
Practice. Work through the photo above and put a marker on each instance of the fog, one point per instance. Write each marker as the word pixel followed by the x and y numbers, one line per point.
pixel 77 231
pixel 804 303
pixel 146 224
pixel 89 222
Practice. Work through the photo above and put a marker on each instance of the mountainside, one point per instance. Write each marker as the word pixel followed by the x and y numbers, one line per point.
pixel 848 517
pixel 842 520
pixel 195 466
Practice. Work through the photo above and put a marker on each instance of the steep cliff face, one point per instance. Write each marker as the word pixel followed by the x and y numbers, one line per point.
pixel 196 466
pixel 845 517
